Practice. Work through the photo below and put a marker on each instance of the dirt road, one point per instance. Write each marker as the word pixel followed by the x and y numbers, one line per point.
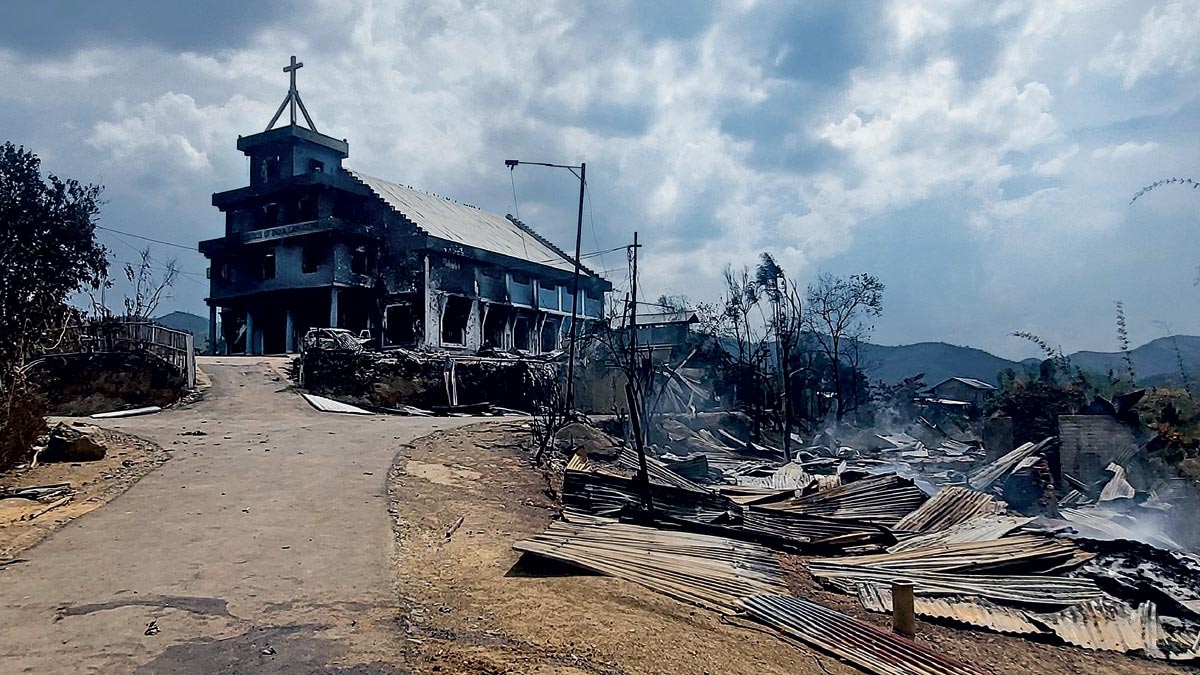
pixel 264 545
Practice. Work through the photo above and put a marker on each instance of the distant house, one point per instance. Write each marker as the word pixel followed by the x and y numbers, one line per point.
pixel 661 332
pixel 961 390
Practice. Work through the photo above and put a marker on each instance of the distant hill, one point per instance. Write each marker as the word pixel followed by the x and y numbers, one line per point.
pixel 1155 363
pixel 186 321
pixel 937 360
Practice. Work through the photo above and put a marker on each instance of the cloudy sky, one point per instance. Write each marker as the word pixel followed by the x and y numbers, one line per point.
pixel 978 156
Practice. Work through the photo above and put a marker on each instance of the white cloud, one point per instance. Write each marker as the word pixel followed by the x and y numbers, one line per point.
pixel 1056 164
pixel 1168 38
pixel 1124 150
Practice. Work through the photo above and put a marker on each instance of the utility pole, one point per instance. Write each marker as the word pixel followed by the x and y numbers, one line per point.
pixel 632 391
pixel 569 403
pixel 634 365
pixel 575 295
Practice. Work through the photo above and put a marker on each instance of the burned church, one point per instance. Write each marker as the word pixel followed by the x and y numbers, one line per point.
pixel 309 243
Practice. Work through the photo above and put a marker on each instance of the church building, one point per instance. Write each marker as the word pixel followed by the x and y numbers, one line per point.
pixel 309 243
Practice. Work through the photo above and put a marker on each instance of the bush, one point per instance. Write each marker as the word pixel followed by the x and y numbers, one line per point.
pixel 22 420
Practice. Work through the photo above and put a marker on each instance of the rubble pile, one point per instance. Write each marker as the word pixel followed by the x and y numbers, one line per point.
pixel 932 512
pixel 415 382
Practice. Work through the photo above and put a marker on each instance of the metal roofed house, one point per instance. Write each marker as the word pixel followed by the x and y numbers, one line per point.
pixel 961 389
pixel 658 331
pixel 309 243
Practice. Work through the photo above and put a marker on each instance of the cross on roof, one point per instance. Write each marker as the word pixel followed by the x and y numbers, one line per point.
pixel 293 98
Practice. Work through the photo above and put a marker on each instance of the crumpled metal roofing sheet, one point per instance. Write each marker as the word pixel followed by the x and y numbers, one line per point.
pixel 790 476
pixel 1108 625
pixel 1118 487
pixel 709 571
pixel 1024 553
pixel 461 224
pixel 982 478
pixel 950 506
pixel 1028 589
pixel 971 611
pixel 881 499
pixel 865 646
pixel 805 528
pixel 981 528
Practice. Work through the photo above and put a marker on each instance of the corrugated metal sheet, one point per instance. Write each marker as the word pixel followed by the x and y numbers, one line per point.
pixel 626 465
pixel 983 478
pixel 329 405
pixel 982 528
pixel 865 646
pixel 1109 626
pixel 790 476
pixel 1118 487
pixel 461 224
pixel 883 500
pixel 1029 590
pixel 1021 553
pixel 950 506
pixel 970 611
pixel 712 572
pixel 656 319
pixel 804 528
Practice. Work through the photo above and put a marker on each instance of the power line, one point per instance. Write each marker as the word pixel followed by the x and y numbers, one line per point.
pixel 138 236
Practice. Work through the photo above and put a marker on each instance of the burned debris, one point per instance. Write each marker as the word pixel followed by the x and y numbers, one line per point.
pixel 991 538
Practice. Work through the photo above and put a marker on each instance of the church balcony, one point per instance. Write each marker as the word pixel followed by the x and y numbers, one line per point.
pixel 282 232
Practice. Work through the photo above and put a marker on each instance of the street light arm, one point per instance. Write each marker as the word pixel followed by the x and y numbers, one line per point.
pixel 512 163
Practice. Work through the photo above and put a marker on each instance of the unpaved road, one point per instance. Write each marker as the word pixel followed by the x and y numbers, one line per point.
pixel 263 546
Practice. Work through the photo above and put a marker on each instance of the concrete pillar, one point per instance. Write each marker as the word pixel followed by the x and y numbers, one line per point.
pixel 212 330
pixel 289 336
pixel 249 333
pixel 333 307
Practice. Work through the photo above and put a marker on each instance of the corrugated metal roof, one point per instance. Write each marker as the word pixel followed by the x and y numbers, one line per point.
pixel 1108 625
pixel 882 499
pixel 950 506
pixel 657 319
pixel 704 570
pixel 969 381
pixel 448 220
pixel 981 528
pixel 865 646
pixel 982 478
pixel 1026 589
pixel 970 611
pixel 1023 553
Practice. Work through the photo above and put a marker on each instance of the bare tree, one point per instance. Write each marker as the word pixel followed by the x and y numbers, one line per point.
pixel 742 299
pixel 786 324
pixel 550 417
pixel 836 310
pixel 150 283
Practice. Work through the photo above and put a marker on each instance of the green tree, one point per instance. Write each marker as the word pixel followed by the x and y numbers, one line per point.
pixel 48 251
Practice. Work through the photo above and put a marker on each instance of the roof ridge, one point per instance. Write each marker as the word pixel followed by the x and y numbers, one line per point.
pixel 547 243
pixel 358 176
